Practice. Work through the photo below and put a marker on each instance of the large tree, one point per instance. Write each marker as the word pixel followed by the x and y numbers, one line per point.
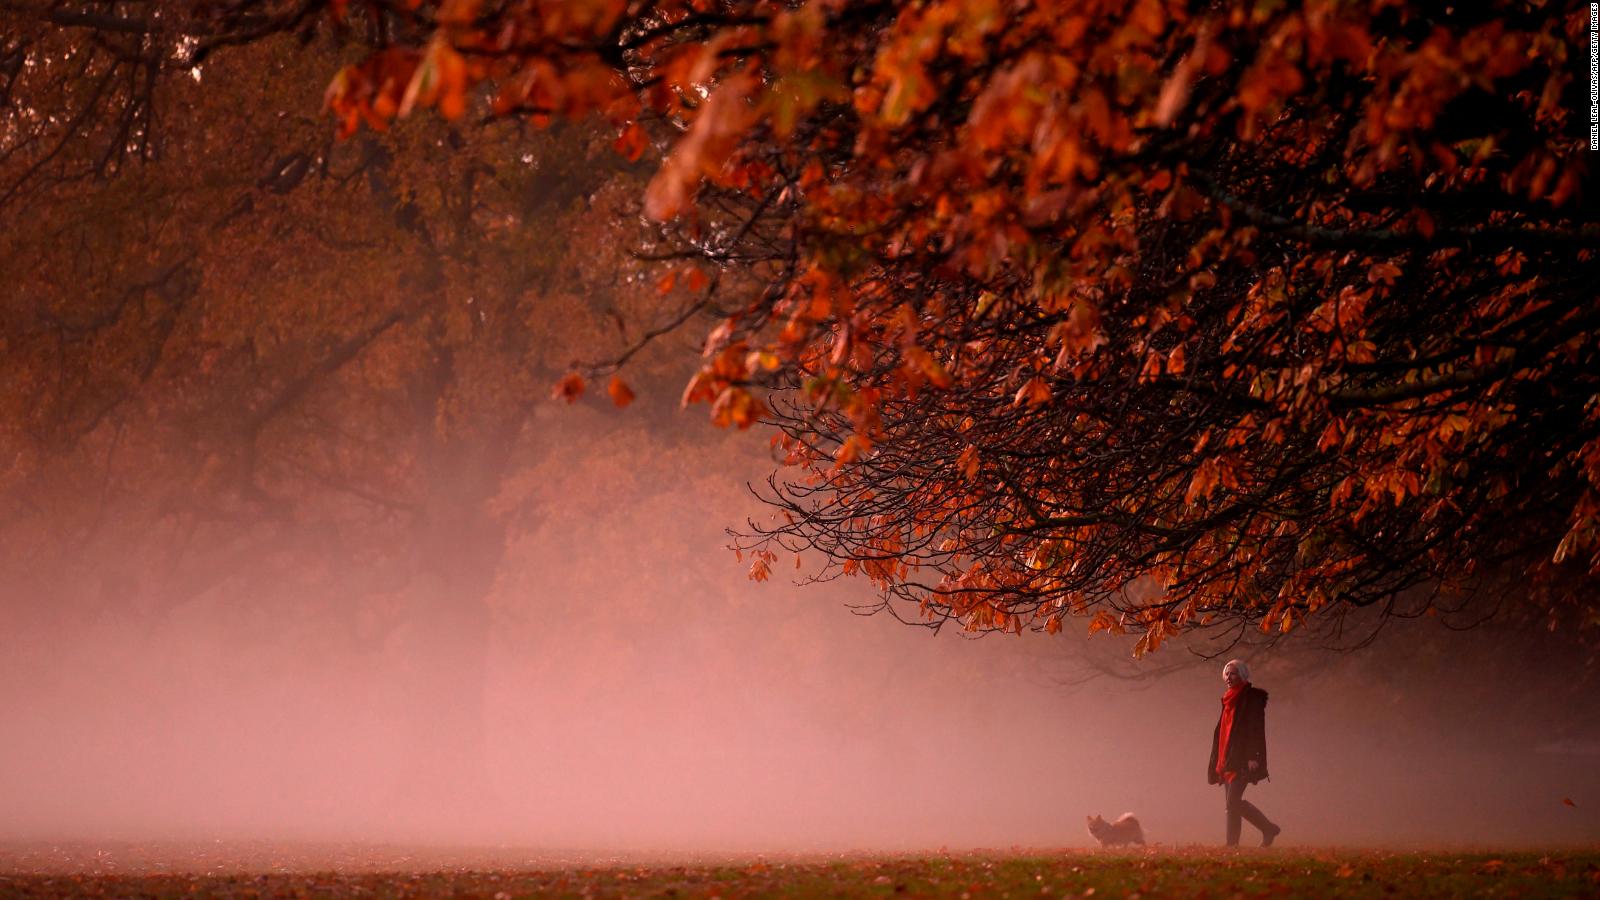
pixel 1167 314
pixel 263 365
pixel 1163 314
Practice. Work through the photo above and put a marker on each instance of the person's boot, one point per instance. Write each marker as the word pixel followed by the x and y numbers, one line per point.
pixel 1269 834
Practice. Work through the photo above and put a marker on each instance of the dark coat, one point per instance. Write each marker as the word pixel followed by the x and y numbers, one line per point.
pixel 1247 739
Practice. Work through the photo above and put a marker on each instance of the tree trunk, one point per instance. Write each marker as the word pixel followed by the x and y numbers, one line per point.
pixel 443 651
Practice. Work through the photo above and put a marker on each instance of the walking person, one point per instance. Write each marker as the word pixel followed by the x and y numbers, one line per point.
pixel 1239 751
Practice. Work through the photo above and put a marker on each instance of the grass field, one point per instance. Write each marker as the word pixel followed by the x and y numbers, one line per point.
pixel 1153 872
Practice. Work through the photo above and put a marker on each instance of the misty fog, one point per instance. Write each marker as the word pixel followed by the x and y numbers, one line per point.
pixel 638 694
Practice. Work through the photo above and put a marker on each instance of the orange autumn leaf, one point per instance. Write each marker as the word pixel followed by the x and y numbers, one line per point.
pixel 620 393
pixel 569 388
pixel 1034 392
pixel 851 450
pixel 631 142
pixel 968 462
pixel 738 407
pixel 1383 273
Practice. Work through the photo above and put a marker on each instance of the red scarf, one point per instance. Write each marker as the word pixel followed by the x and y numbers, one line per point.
pixel 1230 704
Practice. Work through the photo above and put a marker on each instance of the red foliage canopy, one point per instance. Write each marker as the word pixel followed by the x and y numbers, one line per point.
pixel 1163 313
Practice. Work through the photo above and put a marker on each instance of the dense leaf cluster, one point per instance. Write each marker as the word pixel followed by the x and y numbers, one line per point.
pixel 1164 314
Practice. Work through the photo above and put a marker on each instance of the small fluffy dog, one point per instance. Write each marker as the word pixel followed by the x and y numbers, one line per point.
pixel 1125 830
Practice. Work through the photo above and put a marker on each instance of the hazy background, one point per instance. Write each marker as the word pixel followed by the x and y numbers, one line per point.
pixel 610 681
pixel 641 695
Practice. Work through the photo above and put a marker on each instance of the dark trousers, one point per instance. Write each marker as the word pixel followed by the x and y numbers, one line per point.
pixel 1240 808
